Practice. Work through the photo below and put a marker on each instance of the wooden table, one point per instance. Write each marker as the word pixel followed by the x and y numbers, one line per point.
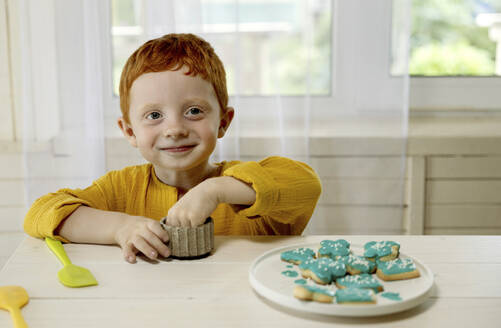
pixel 215 291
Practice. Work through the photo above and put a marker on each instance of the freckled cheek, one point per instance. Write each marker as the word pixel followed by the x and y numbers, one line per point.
pixel 209 133
pixel 145 138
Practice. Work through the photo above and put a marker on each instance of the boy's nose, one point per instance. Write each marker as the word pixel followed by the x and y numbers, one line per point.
pixel 175 130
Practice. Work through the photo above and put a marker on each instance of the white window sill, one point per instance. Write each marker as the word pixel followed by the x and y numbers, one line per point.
pixel 427 136
pixel 448 136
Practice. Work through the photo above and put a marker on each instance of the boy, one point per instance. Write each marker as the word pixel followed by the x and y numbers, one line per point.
pixel 174 107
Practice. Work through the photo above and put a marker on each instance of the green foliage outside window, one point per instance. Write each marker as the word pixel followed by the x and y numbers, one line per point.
pixel 446 40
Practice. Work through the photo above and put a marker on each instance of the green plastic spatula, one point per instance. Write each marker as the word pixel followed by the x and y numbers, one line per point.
pixel 12 299
pixel 70 275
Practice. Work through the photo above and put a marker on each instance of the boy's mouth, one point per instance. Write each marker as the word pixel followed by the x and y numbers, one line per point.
pixel 178 149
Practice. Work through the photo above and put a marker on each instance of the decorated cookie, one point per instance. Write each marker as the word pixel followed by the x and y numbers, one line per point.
pixel 355 296
pixel 297 256
pixel 397 269
pixel 364 281
pixel 334 248
pixel 381 250
pixel 357 264
pixel 323 270
pixel 313 293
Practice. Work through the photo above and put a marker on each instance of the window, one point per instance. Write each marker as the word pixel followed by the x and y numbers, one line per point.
pixel 127 34
pixel 455 38
pixel 296 31
pixel 461 31
pixel 347 42
pixel 453 62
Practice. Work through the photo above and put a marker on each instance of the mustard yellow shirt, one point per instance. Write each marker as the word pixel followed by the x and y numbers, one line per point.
pixel 286 194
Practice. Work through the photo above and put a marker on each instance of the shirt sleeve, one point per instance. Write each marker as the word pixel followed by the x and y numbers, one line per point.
pixel 286 192
pixel 47 212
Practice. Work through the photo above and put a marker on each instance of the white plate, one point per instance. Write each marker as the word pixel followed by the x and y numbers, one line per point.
pixel 266 278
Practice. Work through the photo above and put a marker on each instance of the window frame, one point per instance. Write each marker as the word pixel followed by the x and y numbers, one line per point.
pixel 455 94
pixel 342 77
pixel 427 95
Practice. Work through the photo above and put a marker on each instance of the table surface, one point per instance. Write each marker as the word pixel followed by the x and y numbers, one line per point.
pixel 215 290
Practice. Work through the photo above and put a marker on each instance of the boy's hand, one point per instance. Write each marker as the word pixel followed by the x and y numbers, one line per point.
pixel 142 234
pixel 195 206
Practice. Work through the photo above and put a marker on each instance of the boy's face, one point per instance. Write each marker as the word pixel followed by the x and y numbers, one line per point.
pixel 175 120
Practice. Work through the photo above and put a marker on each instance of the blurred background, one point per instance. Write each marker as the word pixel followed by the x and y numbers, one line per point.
pixel 395 104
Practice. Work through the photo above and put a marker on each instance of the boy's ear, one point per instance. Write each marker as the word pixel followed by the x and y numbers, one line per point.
pixel 226 119
pixel 127 131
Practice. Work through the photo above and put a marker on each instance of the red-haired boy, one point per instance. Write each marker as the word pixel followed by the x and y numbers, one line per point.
pixel 174 105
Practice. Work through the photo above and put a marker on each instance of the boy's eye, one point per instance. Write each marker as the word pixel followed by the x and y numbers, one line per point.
pixel 194 111
pixel 154 116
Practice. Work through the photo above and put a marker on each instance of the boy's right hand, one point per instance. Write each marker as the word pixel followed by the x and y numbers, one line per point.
pixel 140 234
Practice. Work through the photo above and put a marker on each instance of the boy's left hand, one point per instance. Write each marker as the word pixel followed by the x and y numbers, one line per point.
pixel 194 207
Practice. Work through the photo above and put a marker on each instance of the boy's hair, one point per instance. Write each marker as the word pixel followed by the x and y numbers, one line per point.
pixel 172 52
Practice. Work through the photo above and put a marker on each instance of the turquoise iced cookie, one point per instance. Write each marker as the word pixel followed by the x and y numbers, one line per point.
pixel 297 256
pixel 381 250
pixel 357 264
pixel 313 293
pixel 320 290
pixel 396 266
pixel 397 269
pixel 364 280
pixel 323 270
pixel 355 295
pixel 334 248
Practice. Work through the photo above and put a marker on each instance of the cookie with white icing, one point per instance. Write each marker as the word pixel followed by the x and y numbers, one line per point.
pixel 334 248
pixel 298 255
pixel 358 264
pixel 355 296
pixel 313 293
pixel 323 270
pixel 364 281
pixel 381 250
pixel 397 269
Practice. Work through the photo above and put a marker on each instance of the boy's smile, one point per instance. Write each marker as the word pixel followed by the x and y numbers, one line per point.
pixel 175 120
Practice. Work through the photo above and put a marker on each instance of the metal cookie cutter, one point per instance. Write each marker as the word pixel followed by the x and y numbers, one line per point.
pixel 186 242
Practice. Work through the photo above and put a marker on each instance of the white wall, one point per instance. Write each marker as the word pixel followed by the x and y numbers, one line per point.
pixel 452 181
pixel 7 119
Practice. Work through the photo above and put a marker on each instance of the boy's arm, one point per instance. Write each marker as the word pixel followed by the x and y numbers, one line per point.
pixel 91 226
pixel 131 233
pixel 286 193
pixel 95 215
pixel 282 191
pixel 200 201
pixel 233 191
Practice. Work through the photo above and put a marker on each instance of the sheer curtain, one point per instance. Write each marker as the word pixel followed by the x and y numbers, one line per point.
pixel 354 133
pixel 62 94
pixel 345 116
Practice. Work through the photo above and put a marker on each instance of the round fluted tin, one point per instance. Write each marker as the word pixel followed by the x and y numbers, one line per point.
pixel 190 242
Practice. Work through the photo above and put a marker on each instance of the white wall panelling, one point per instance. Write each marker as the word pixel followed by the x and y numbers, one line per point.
pixel 453 194
pixel 463 192
pixel 414 220
pixel 463 195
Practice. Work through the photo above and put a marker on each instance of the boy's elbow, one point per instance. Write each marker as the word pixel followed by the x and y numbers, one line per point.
pixel 315 192
pixel 29 226
pixel 36 216
pixel 29 229
pixel 311 179
pixel 315 186
pixel 317 189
